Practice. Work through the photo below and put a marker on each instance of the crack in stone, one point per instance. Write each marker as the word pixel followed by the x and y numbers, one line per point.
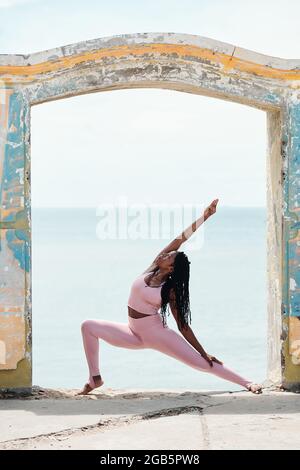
pixel 205 431
pixel 232 54
pixel 171 412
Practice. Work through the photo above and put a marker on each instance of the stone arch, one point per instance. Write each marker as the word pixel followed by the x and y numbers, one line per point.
pixel 187 63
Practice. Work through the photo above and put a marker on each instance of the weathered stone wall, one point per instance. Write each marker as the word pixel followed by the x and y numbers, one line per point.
pixel 186 63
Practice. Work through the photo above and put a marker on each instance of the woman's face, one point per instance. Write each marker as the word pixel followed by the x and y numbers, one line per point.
pixel 166 260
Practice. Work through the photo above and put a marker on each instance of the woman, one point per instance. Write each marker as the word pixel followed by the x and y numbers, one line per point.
pixel 165 282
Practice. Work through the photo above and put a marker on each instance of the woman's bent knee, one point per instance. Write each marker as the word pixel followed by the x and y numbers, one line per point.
pixel 85 325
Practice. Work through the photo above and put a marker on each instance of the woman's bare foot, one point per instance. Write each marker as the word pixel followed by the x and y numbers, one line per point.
pixel 88 388
pixel 254 388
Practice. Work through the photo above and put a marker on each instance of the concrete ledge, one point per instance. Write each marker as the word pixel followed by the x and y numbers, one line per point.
pixel 150 419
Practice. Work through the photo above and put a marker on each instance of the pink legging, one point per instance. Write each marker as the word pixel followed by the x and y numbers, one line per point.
pixel 147 332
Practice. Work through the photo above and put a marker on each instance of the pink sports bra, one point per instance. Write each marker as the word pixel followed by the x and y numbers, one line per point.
pixel 143 298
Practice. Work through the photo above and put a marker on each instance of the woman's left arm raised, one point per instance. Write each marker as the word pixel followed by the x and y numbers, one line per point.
pixel 186 234
pixel 175 244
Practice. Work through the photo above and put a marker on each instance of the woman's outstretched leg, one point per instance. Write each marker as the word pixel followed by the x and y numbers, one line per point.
pixel 173 344
pixel 116 334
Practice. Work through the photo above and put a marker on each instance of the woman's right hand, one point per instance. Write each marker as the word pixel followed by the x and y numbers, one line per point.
pixel 210 359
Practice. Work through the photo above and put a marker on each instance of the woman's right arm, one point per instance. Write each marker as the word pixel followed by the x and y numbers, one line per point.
pixel 188 333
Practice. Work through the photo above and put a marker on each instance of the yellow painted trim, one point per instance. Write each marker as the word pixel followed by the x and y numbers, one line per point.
pixel 228 62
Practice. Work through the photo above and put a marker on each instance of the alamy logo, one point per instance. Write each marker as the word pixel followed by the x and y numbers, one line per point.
pixel 141 221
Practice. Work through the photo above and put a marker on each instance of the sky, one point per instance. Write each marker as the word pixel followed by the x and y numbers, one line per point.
pixel 148 145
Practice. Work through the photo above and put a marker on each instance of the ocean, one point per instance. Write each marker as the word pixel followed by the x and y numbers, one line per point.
pixel 77 276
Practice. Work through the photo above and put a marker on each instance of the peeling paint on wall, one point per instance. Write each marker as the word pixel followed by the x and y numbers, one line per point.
pixel 179 62
pixel 2 353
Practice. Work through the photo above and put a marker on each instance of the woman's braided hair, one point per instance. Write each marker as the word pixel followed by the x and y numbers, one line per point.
pixel 178 280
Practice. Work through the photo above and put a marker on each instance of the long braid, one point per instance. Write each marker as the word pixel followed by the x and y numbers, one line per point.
pixel 179 281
